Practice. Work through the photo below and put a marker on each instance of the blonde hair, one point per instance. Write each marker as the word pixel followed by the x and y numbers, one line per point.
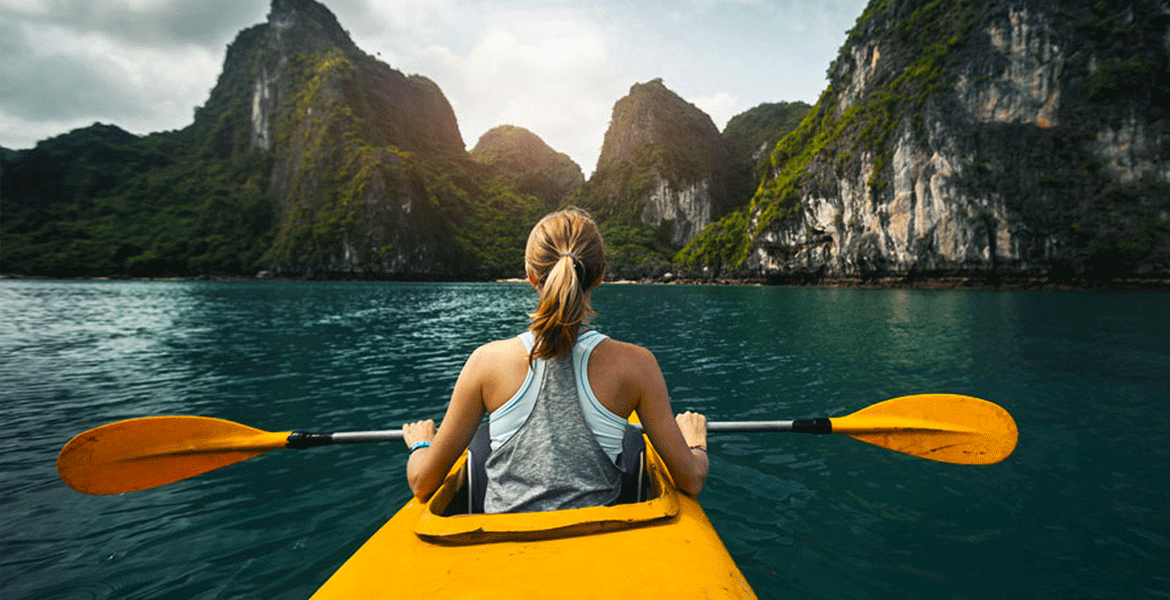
pixel 565 256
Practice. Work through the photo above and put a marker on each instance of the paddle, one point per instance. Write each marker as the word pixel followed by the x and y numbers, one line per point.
pixel 941 427
pixel 140 454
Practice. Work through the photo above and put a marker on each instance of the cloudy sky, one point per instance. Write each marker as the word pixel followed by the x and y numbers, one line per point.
pixel 555 68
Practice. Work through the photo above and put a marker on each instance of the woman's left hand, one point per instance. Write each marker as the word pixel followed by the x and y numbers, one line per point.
pixel 693 426
pixel 419 431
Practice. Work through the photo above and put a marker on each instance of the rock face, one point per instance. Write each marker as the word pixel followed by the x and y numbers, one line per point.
pixel 987 139
pixel 349 139
pixel 663 164
pixel 536 168
pixel 410 113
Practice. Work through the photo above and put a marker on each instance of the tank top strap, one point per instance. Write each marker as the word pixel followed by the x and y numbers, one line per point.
pixel 529 340
pixel 587 340
pixel 608 428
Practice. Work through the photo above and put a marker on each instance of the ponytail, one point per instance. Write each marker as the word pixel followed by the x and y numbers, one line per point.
pixel 565 256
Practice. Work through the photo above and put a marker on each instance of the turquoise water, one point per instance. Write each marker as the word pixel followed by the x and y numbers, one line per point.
pixel 1079 511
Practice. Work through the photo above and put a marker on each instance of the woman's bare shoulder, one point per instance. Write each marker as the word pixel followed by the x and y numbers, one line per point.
pixel 626 353
pixel 499 350
pixel 625 375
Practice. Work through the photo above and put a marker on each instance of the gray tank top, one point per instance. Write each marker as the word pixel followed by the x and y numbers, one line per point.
pixel 553 461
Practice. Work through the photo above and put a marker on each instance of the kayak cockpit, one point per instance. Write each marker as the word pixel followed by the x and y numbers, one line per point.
pixel 444 518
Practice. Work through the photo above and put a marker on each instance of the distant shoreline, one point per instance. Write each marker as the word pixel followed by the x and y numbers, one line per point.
pixel 948 283
pixel 970 283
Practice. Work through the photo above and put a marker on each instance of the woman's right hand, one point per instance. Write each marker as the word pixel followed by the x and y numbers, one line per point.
pixel 419 431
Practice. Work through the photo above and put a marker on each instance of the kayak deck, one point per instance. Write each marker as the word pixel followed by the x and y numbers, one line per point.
pixel 663 546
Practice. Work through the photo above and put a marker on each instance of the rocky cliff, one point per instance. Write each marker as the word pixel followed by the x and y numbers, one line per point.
pixel 976 139
pixel 309 159
pixel 662 164
pixel 535 168
pixel 984 139
pixel 353 144
pixel 271 67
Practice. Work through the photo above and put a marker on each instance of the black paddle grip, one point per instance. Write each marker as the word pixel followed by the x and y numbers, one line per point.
pixel 817 425
pixel 299 440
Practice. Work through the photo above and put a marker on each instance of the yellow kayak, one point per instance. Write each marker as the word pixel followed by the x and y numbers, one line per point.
pixel 661 547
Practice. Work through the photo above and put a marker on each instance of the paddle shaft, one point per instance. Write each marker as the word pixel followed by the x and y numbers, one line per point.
pixel 300 440
pixel 818 425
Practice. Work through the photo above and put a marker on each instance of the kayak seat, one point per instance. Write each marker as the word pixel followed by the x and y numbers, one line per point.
pixel 631 461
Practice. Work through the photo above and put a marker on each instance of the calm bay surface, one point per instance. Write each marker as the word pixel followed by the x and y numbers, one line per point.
pixel 1079 511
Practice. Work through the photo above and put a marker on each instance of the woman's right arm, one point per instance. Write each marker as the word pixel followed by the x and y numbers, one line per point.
pixel 681 442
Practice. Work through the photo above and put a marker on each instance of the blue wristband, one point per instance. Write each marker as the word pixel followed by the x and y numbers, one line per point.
pixel 419 444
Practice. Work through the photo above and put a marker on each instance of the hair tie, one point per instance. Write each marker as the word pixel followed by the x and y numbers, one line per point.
pixel 578 266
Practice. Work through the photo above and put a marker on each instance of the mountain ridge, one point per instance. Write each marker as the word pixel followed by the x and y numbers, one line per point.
pixel 986 140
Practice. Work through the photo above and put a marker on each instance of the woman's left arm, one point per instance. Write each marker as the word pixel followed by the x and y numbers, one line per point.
pixel 680 441
pixel 427 466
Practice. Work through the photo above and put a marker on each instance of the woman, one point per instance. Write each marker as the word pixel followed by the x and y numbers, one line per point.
pixel 558 395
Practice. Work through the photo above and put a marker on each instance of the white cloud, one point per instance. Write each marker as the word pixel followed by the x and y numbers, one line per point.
pixel 555 67
pixel 720 107
pixel 64 65
pixel 140 22
pixel 67 76
pixel 556 79
pixel 374 23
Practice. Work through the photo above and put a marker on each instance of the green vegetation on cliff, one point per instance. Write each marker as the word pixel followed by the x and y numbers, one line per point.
pixel 101 201
pixel 522 158
pixel 835 136
pixel 1049 174
pixel 636 250
pixel 654 128
pixel 751 135
pixel 358 205
pixel 750 138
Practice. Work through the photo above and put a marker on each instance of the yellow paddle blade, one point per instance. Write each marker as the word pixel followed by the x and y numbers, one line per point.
pixel 140 454
pixel 943 427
